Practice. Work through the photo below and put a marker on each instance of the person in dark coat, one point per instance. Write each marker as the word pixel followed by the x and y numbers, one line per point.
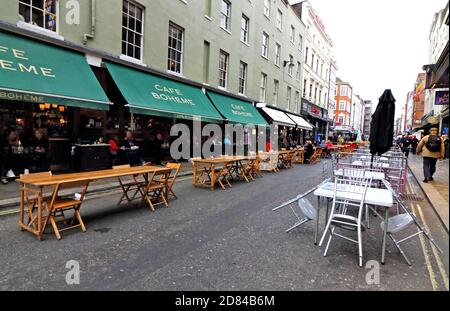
pixel 309 150
pixel 405 144
pixel 41 148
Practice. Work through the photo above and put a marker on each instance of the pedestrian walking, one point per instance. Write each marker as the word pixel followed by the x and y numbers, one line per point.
pixel 414 144
pixel 405 144
pixel 433 149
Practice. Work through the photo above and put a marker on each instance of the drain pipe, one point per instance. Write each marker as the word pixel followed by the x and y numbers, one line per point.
pixel 93 19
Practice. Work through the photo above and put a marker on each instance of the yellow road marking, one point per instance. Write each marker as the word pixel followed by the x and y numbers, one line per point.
pixel 427 258
pixel 435 251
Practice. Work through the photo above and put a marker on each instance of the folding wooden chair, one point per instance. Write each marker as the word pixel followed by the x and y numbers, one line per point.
pixel 256 163
pixel 246 171
pixel 223 174
pixel 60 204
pixel 31 197
pixel 128 184
pixel 154 189
pixel 175 167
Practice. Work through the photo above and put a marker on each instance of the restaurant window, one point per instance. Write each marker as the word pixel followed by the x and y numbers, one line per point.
pixel 265 45
pixel 279 20
pixel 175 57
pixel 290 65
pixel 242 77
pixel 292 38
pixel 225 14
pixel 276 87
pixel 223 69
pixel 277 54
pixel 263 87
pixel 40 13
pixel 245 23
pixel 132 30
pixel 288 97
pixel 267 4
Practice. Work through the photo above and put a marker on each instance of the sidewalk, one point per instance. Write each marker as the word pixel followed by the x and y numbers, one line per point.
pixel 9 193
pixel 437 190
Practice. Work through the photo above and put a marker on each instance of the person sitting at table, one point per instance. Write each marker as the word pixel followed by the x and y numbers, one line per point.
pixel 11 145
pixel 329 146
pixel 131 149
pixel 309 150
pixel 113 148
pixel 41 148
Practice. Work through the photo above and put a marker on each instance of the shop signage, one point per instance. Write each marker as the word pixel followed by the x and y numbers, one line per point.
pixel 7 95
pixel 17 60
pixel 441 98
pixel 174 95
pixel 239 110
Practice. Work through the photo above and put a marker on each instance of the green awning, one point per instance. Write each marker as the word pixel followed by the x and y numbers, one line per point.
pixel 237 111
pixel 42 73
pixel 149 94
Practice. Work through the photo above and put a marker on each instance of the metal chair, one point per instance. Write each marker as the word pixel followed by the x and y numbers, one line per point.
pixel 401 221
pixel 304 211
pixel 349 193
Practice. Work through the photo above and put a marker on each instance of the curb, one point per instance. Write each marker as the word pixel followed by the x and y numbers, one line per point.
pixel 109 187
pixel 427 197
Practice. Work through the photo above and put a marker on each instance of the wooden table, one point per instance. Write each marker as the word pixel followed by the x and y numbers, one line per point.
pixel 209 166
pixel 283 159
pixel 40 183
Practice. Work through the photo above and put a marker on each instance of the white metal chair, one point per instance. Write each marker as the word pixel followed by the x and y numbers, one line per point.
pixel 401 221
pixel 303 210
pixel 349 194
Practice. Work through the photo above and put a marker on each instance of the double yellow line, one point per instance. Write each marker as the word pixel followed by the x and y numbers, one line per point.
pixel 417 210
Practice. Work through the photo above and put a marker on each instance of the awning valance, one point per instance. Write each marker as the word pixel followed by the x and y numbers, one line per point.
pixel 301 123
pixel 278 117
pixel 236 111
pixel 32 71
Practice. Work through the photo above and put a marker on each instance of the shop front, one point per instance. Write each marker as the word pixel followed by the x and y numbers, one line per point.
pixel 303 128
pixel 153 104
pixel 46 94
pixel 284 125
pixel 318 117
pixel 236 111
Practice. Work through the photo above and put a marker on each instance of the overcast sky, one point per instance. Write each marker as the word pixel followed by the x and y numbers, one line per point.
pixel 379 44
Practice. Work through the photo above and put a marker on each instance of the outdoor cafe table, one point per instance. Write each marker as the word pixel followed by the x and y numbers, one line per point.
pixel 53 181
pixel 211 164
pixel 374 196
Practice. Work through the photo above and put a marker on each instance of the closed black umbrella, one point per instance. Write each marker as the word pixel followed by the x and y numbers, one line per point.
pixel 382 124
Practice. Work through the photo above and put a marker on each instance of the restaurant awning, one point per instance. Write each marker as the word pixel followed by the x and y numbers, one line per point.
pixel 278 117
pixel 32 71
pixel 149 94
pixel 301 123
pixel 236 111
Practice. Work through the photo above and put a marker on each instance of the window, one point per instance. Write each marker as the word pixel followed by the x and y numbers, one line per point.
pixel 223 69
pixel 225 14
pixel 321 69
pixel 288 97
pixel 300 42
pixel 343 91
pixel 304 88
pixel 320 96
pixel 342 105
pixel 297 101
pixel 277 54
pixel 306 55
pixel 267 4
pixel 41 13
pixel 265 45
pixel 276 87
pixel 290 65
pixel 245 22
pixel 312 61
pixel 292 38
pixel 315 93
pixel 242 77
pixel 341 119
pixel 175 57
pixel 317 65
pixel 310 89
pixel 299 67
pixel 263 87
pixel 206 54
pixel 279 20
pixel 132 30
